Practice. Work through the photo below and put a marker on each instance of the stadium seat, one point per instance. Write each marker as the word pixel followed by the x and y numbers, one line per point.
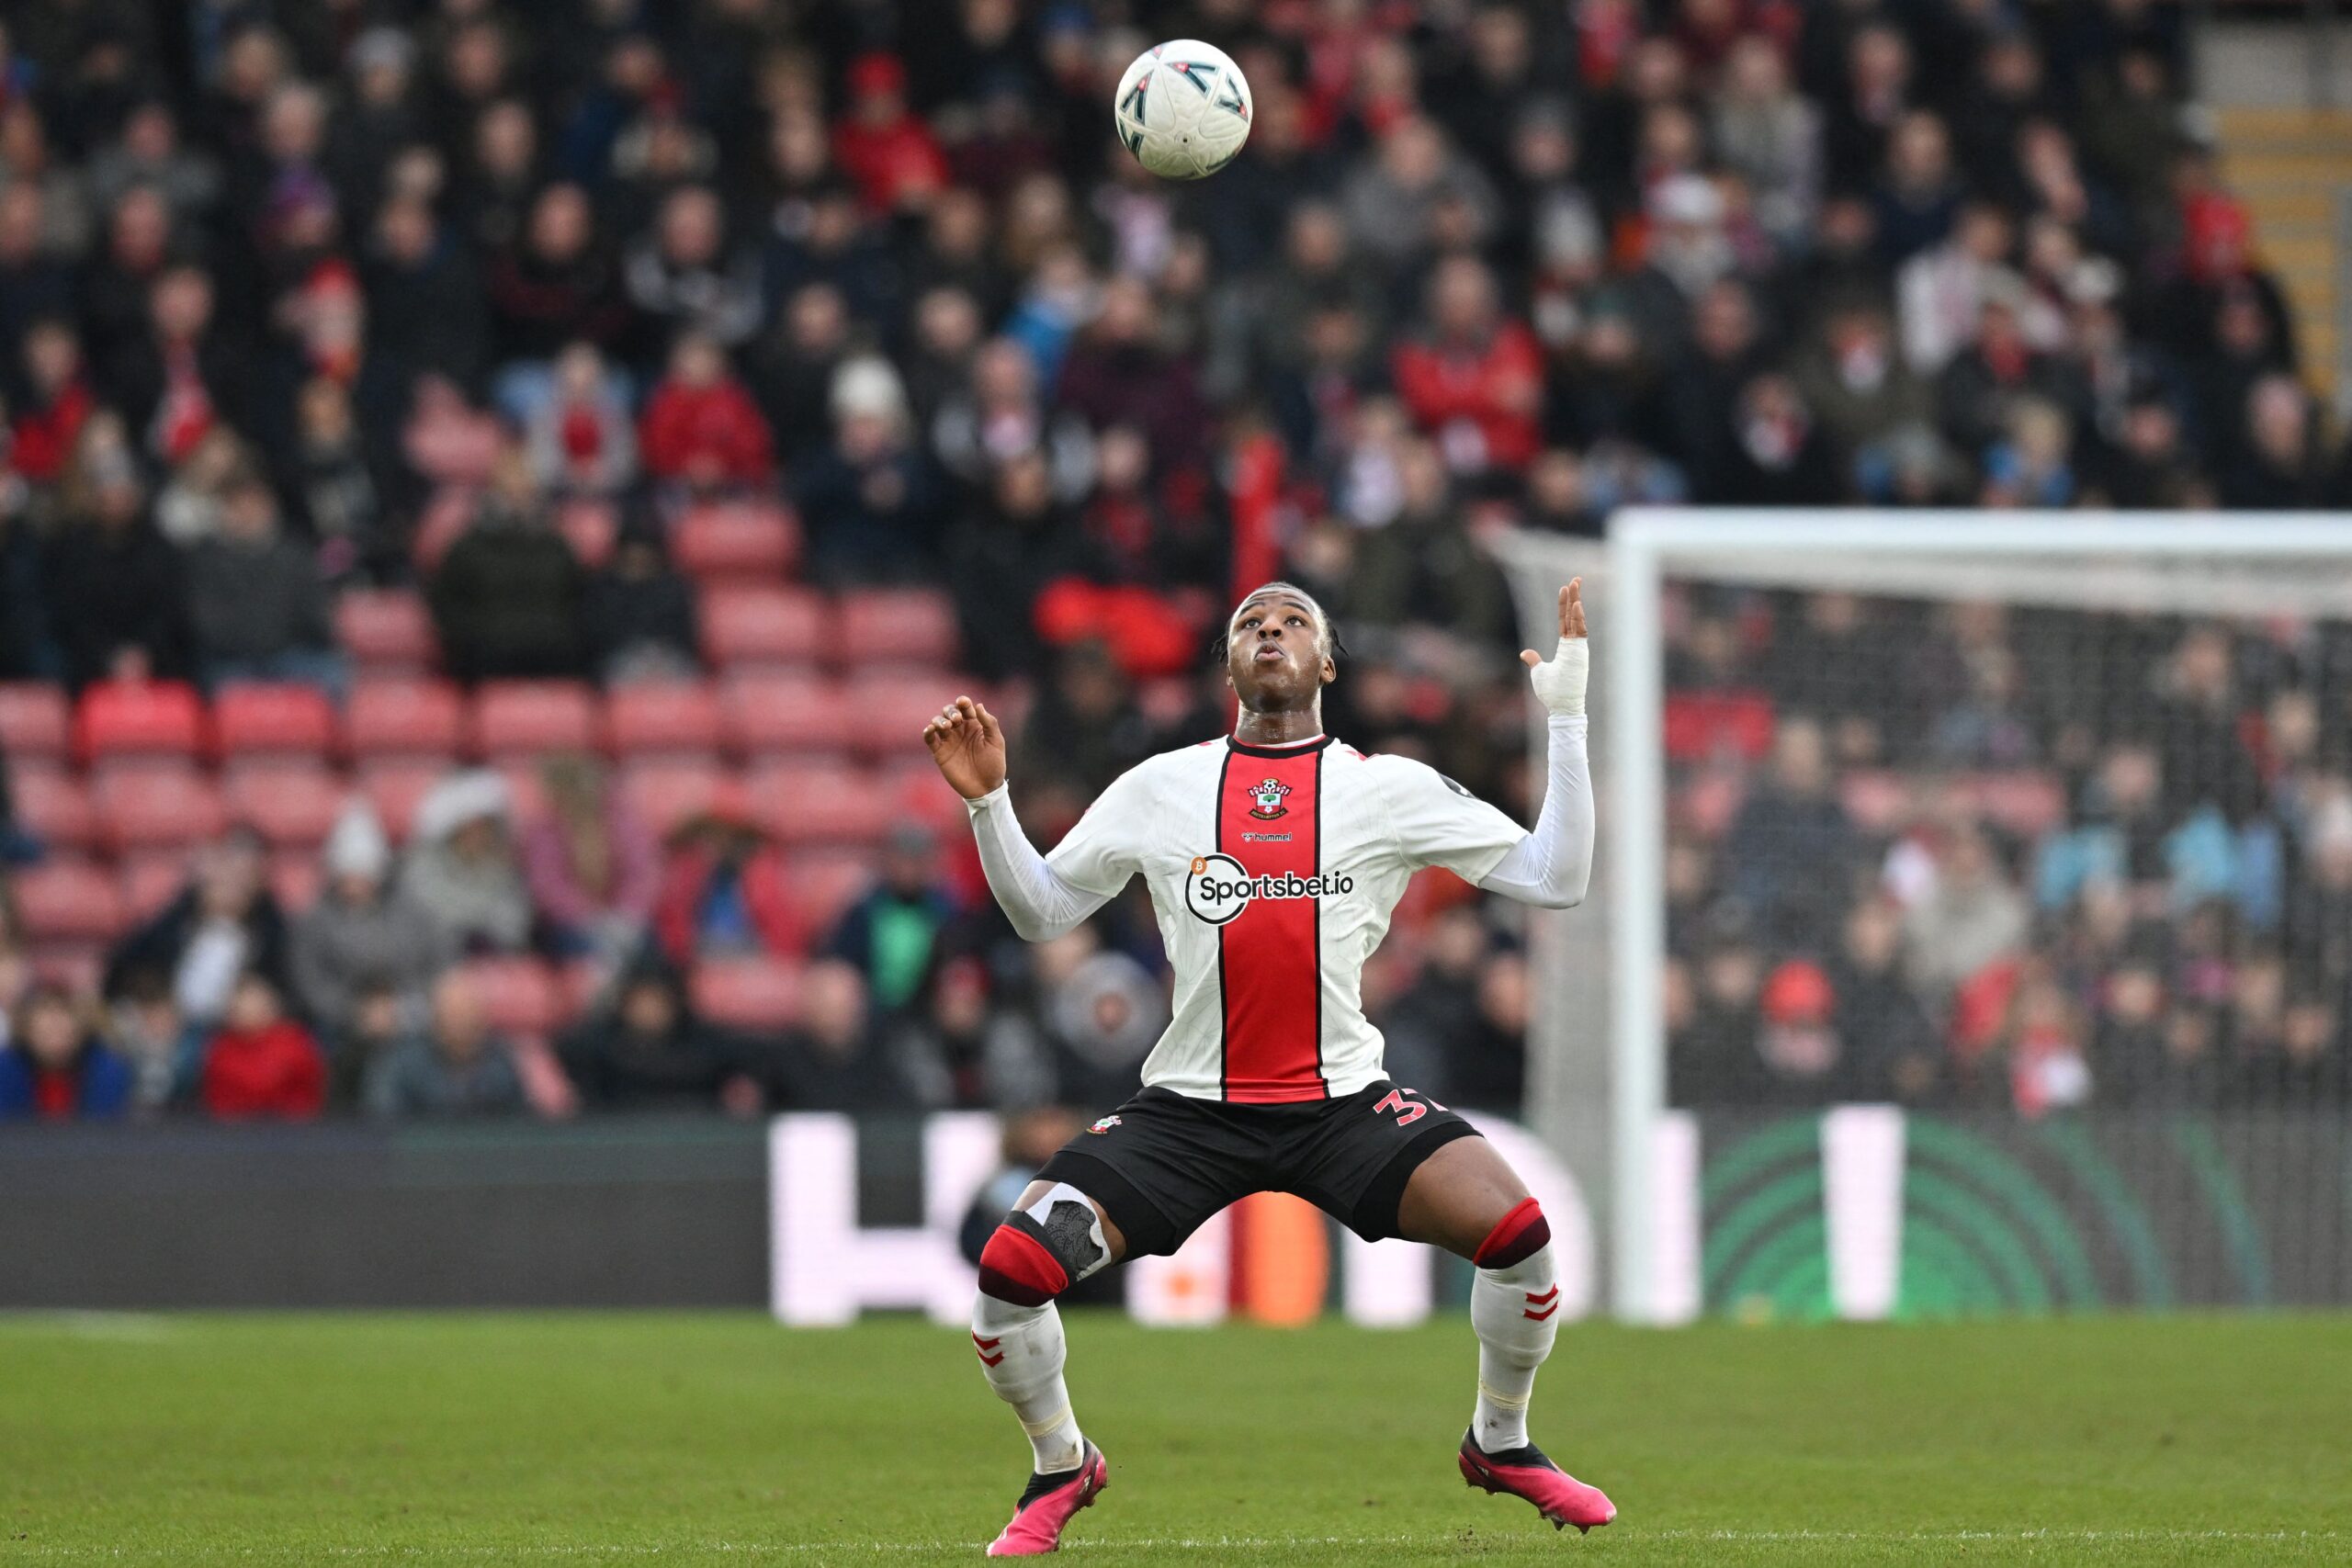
pixel 1700 725
pixel 825 882
pixel 53 806
pixel 150 718
pixel 669 790
pixel 295 879
pixel 589 527
pixel 757 995
pixel 403 717
pixel 762 626
pixel 897 625
pixel 150 880
pixel 818 802
pixel 293 806
pixel 663 718
pixel 78 967
pixel 526 790
pixel 512 718
pixel 893 709
pixel 273 721
pixel 519 996
pixel 776 712
pixel 387 631
pixel 34 720
pixel 395 786
pixel 67 900
pixel 735 542
pixel 157 807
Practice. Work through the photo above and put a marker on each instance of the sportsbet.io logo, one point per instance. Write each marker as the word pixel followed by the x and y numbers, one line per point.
pixel 1219 888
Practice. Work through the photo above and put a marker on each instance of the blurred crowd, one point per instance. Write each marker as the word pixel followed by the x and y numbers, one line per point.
pixel 479 298
pixel 1966 854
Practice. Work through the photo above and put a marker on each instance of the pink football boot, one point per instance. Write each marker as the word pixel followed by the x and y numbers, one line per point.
pixel 1525 1473
pixel 1049 1504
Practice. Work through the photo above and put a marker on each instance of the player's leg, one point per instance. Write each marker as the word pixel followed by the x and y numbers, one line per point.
pixel 1135 1183
pixel 1465 1198
pixel 1054 1236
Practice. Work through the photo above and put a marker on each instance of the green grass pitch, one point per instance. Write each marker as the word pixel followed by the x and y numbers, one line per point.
pixel 724 1440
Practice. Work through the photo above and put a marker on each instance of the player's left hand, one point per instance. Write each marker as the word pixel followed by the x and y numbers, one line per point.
pixel 1559 681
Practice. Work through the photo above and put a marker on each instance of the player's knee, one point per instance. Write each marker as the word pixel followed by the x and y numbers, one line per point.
pixel 1517 1236
pixel 1044 1249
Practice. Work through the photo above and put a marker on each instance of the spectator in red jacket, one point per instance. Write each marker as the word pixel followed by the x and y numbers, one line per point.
pixel 262 1065
pixel 57 402
pixel 701 427
pixel 724 892
pixel 1472 378
pixel 888 151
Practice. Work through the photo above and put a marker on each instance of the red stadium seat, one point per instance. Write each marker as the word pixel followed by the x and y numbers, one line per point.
pixel 151 880
pixel 67 900
pixel 892 710
pixel 1700 725
pixel 394 788
pixel 295 878
pixel 897 625
pixel 514 718
pixel 820 803
pixel 519 996
pixel 403 717
pixel 589 527
pixel 663 718
pixel 387 631
pixel 825 881
pixel 293 806
pixel 668 792
pixel 153 718
pixel 273 721
pixel 775 712
pixel 157 807
pixel 76 966
pixel 758 627
pixel 34 720
pixel 735 542
pixel 917 793
pixel 762 995
pixel 53 806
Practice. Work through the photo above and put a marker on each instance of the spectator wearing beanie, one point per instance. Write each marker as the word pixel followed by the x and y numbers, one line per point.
pixel 361 936
pixel 868 500
pixel 261 1064
pixel 462 870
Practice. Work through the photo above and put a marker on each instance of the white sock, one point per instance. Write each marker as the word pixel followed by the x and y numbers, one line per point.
pixel 1029 1376
pixel 1512 1342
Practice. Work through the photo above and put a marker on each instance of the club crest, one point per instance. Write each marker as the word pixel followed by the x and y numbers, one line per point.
pixel 1270 794
pixel 1105 1126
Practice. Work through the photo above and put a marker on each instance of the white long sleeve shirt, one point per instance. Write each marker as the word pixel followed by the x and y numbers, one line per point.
pixel 1274 871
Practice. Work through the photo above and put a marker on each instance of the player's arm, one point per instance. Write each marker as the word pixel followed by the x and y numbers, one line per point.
pixel 1042 899
pixel 1553 865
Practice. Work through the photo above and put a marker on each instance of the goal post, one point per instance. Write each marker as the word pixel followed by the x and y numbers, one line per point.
pixel 1612 1036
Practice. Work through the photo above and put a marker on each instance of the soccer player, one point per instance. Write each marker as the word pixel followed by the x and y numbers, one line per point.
pixel 1274 857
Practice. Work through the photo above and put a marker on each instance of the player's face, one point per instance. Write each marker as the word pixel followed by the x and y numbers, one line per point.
pixel 1275 653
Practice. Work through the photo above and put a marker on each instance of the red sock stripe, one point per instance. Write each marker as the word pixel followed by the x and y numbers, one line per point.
pixel 1016 1267
pixel 1519 1235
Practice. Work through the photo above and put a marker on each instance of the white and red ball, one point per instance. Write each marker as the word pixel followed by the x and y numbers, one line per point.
pixel 1183 109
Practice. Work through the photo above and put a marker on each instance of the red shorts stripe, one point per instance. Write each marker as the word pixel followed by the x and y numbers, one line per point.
pixel 1270 956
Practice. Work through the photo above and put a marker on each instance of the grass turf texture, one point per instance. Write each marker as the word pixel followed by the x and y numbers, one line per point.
pixel 713 1438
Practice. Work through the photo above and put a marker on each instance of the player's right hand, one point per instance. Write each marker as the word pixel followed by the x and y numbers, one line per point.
pixel 969 745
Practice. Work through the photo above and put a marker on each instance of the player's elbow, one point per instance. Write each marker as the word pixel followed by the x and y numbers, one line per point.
pixel 1561 893
pixel 1035 925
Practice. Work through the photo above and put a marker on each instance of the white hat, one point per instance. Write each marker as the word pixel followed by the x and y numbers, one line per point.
pixel 358 846
pixel 460 798
pixel 867 385
pixel 1687 199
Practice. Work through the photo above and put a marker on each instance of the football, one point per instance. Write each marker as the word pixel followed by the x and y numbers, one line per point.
pixel 1183 109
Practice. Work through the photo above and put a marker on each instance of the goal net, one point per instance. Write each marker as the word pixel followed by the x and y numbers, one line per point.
pixel 1973 922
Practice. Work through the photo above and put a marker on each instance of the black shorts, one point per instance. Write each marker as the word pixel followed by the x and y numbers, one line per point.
pixel 1163 1163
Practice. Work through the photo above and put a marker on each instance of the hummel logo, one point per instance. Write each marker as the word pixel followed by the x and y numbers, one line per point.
pixel 985 1347
pixel 1534 1301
